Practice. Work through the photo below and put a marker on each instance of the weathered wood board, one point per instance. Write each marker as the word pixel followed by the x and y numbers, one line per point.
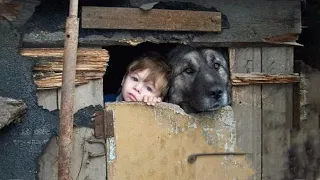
pixel 155 142
pixel 85 95
pixel 155 19
pixel 276 113
pixel 87 162
pixel 244 79
pixel 91 65
pixel 246 104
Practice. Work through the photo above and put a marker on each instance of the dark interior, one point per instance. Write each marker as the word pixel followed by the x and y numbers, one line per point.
pixel 121 56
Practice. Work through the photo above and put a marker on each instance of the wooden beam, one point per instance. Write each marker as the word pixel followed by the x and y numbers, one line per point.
pixel 239 79
pixel 276 113
pixel 155 19
pixel 246 105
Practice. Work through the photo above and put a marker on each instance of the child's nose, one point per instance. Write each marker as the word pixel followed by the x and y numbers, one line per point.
pixel 138 87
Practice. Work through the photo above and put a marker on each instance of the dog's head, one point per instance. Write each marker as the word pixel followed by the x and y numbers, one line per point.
pixel 200 79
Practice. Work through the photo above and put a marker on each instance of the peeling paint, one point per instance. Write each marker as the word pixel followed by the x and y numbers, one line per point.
pixel 112 149
pixel 132 42
pixel 155 143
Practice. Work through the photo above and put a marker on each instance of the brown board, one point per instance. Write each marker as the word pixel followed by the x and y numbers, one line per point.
pixel 155 19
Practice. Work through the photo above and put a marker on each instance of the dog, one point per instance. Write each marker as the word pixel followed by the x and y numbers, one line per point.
pixel 199 80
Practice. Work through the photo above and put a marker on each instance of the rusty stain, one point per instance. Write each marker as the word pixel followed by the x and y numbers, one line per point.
pixel 282 38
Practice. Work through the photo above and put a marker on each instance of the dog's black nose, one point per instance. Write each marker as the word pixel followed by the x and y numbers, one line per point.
pixel 216 92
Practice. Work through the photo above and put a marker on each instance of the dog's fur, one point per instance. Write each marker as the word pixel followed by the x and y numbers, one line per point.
pixel 200 79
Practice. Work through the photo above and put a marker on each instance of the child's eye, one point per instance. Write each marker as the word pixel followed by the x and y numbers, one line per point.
pixel 149 89
pixel 134 78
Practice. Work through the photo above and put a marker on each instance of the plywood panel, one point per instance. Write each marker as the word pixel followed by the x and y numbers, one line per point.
pixel 246 103
pixel 276 113
pixel 155 142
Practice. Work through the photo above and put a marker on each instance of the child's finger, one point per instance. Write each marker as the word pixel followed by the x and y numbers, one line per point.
pixel 152 101
pixel 145 99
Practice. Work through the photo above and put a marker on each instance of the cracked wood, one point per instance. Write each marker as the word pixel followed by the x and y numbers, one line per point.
pixel 91 64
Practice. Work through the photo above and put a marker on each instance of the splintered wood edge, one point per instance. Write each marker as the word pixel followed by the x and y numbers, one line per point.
pixel 238 79
pixel 58 52
pixel 91 65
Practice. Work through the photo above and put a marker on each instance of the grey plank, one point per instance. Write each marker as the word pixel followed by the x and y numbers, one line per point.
pixel 247 105
pixel 276 113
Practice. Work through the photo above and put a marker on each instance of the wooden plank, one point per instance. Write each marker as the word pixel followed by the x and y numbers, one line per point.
pixel 58 52
pixel 276 113
pixel 85 95
pixel 91 64
pixel 246 105
pixel 155 19
pixel 240 79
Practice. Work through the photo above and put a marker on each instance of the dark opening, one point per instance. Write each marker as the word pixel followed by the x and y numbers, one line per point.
pixel 120 58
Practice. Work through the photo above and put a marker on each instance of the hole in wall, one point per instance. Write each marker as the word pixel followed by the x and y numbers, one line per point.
pixel 121 57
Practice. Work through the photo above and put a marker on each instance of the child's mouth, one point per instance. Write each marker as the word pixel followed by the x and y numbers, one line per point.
pixel 132 97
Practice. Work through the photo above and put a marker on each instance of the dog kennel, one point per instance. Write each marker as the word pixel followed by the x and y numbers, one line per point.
pixel 259 37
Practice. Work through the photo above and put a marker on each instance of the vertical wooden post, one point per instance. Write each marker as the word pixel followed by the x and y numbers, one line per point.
pixel 246 104
pixel 67 94
pixel 276 113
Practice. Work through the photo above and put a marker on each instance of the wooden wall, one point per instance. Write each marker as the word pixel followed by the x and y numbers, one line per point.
pixel 264 112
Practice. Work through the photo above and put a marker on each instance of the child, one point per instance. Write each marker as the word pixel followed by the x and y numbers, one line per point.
pixel 146 80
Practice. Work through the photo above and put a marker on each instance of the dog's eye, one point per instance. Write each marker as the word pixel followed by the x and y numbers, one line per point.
pixel 216 65
pixel 189 71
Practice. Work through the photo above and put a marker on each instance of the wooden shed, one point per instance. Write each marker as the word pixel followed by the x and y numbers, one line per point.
pixel 259 37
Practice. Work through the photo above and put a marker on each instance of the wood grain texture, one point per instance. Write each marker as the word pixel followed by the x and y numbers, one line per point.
pixel 155 19
pixel 241 79
pixel 91 64
pixel 246 103
pixel 276 113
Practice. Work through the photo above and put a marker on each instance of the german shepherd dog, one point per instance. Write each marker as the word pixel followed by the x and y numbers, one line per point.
pixel 200 79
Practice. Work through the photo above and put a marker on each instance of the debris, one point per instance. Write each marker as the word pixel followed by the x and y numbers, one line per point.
pixel 10 110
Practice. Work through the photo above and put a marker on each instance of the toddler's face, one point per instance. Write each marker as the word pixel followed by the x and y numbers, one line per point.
pixel 135 86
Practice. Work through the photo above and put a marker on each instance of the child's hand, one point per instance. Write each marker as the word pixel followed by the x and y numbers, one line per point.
pixel 151 100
